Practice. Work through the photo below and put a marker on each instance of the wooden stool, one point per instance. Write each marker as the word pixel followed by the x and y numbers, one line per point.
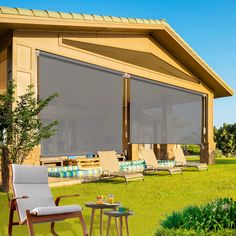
pixel 120 215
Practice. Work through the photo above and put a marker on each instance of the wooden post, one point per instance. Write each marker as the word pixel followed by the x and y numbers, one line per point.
pixel 166 151
pixel 156 149
pixel 133 152
pixel 207 152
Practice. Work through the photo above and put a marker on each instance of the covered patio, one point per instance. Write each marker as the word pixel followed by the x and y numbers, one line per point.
pixel 123 83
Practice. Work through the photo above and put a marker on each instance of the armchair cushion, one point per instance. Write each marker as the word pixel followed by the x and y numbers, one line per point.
pixel 41 211
pixel 26 174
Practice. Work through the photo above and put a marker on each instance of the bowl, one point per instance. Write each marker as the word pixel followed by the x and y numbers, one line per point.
pixel 123 209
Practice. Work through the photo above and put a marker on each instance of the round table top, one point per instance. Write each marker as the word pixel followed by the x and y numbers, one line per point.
pixel 118 213
pixel 101 206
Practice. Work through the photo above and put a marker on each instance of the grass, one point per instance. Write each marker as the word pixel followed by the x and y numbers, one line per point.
pixel 150 200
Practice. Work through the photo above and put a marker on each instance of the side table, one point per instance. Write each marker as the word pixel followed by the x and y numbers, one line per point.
pixel 100 207
pixel 120 215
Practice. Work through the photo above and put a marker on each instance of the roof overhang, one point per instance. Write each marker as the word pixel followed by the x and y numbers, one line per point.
pixel 16 18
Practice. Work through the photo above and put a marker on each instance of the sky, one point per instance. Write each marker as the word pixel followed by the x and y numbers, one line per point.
pixel 209 26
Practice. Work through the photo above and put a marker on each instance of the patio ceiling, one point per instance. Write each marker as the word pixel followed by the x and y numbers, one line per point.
pixel 143 59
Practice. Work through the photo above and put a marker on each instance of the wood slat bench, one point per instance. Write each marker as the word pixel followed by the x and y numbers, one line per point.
pixel 53 160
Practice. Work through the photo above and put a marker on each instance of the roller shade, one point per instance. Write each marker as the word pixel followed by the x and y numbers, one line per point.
pixel 164 114
pixel 88 109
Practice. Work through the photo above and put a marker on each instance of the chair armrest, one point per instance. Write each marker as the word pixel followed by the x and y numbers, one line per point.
pixel 17 198
pixel 12 201
pixel 65 196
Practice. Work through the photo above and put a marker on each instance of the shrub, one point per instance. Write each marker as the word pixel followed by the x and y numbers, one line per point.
pixel 184 232
pixel 174 232
pixel 215 216
pixel 225 138
pixel 218 154
pixel 191 149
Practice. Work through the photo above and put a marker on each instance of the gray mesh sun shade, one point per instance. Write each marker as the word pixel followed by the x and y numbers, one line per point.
pixel 163 114
pixel 88 109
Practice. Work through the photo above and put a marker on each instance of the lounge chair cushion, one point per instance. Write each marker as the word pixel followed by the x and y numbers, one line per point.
pixel 38 195
pixel 109 161
pixel 41 211
pixel 181 160
pixel 26 174
pixel 153 165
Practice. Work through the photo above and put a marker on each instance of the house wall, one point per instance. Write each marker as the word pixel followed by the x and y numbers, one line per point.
pixel 26 43
pixel 3 70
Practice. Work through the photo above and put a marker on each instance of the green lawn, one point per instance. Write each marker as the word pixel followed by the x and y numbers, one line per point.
pixel 150 200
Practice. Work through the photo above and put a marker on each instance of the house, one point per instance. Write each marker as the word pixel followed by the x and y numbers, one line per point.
pixel 122 82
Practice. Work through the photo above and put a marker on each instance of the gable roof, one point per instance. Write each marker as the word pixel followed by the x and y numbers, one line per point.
pixel 15 18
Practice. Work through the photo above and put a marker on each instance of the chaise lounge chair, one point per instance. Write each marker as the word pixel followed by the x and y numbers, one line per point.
pixel 111 168
pixel 34 203
pixel 152 164
pixel 181 160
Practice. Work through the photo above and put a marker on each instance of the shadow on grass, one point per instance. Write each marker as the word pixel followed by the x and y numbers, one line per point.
pixel 157 173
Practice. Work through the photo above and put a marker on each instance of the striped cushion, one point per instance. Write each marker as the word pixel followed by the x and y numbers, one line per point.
pixel 73 171
pixel 132 166
pixel 65 168
pixel 166 163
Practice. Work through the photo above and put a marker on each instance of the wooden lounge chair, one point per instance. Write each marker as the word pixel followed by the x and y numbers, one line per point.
pixel 181 160
pixel 152 164
pixel 111 168
pixel 34 203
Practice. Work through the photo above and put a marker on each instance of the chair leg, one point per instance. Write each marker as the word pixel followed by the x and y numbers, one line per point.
pixel 10 222
pixel 29 223
pixel 53 229
pixel 83 224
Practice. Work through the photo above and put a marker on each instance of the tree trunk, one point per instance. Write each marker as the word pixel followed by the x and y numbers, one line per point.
pixel 5 170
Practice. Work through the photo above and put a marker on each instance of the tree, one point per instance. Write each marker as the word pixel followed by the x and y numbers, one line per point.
pixel 20 127
pixel 225 138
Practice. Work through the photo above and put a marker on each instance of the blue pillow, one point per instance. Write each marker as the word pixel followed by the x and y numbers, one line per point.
pixel 72 157
pixel 89 155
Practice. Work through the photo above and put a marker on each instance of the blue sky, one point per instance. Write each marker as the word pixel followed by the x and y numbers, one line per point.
pixel 209 26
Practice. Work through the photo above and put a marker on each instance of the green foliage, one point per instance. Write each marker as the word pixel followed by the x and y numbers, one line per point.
pixel 218 153
pixel 174 232
pixel 184 232
pixel 193 149
pixel 225 138
pixel 20 127
pixel 215 216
